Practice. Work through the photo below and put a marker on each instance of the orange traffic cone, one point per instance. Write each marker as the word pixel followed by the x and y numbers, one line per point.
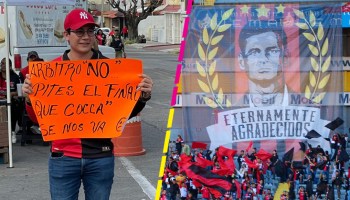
pixel 130 142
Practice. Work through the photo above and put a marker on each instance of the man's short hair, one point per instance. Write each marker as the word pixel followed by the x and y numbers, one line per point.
pixel 10 61
pixel 32 53
pixel 258 27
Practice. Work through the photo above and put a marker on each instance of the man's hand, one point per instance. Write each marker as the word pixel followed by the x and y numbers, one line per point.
pixel 145 86
pixel 27 88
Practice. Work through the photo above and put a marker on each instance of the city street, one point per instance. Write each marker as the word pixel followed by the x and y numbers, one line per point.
pixel 135 177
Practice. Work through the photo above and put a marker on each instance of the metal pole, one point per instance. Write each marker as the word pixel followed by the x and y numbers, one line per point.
pixel 8 93
pixel 101 24
pixel 125 14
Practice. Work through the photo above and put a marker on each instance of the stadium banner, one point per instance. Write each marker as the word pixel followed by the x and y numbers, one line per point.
pixel 263 73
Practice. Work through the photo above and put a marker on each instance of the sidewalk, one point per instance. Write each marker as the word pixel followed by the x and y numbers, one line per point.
pixel 157 46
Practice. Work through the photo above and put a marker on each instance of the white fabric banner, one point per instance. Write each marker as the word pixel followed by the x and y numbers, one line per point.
pixel 268 123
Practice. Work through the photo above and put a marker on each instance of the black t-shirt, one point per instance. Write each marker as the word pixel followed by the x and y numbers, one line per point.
pixel 14 80
pixel 116 43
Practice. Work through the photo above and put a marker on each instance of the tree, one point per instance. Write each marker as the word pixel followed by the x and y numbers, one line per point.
pixel 130 12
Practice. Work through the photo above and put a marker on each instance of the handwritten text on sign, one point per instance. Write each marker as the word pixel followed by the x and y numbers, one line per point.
pixel 84 99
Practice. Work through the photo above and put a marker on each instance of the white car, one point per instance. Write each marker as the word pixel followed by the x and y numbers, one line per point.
pixel 105 30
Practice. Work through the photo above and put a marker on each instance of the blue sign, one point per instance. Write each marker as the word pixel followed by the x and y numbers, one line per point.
pixel 346 19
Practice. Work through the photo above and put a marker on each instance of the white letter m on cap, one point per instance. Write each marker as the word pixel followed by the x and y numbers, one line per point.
pixel 83 15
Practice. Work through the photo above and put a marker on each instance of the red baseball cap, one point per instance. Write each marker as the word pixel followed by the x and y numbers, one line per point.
pixel 78 18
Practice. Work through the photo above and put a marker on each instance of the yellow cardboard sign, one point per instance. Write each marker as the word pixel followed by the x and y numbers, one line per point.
pixel 85 98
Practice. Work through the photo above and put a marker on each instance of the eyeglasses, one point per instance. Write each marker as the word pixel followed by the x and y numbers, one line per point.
pixel 81 32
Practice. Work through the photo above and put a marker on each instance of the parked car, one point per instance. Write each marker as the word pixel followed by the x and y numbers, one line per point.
pixel 105 30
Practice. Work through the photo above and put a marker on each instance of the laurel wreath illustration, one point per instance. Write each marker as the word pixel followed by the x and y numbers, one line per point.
pixel 209 83
pixel 318 76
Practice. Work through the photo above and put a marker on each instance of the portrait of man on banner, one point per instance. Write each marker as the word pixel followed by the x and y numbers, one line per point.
pixel 263 54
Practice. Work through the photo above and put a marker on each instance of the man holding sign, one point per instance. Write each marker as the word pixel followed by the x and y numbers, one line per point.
pixel 84 154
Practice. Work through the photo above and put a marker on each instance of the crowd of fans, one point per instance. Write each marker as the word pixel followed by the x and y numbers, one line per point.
pixel 320 175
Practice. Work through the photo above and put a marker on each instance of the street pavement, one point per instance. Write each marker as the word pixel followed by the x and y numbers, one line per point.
pixel 156 46
pixel 136 176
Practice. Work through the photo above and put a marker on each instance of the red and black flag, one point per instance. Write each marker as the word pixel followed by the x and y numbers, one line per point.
pixel 184 159
pixel 228 162
pixel 199 145
pixel 249 146
pixel 250 163
pixel 207 178
pixel 222 171
pixel 280 168
pixel 297 165
pixel 171 171
pixel 203 175
pixel 312 134
pixel 238 189
pixel 302 146
pixel 335 124
pixel 223 151
pixel 288 156
pixel 202 162
pixel 263 155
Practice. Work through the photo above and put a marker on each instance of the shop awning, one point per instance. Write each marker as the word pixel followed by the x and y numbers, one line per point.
pixel 168 9
pixel 107 14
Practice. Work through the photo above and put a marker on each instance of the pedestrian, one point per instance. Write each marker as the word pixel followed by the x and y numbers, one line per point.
pixel 101 37
pixel 291 192
pixel 174 189
pixel 260 189
pixel 268 195
pixel 163 195
pixel 185 149
pixel 284 195
pixel 125 32
pixel 178 144
pixel 117 44
pixel 109 37
pixel 337 182
pixel 183 191
pixel 240 158
pixel 32 122
pixel 347 188
pixel 15 107
pixel 334 146
pixel 273 161
pixel 309 187
pixel 90 161
pixel 321 187
pixel 301 193
pixel 32 56
pixel 205 193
